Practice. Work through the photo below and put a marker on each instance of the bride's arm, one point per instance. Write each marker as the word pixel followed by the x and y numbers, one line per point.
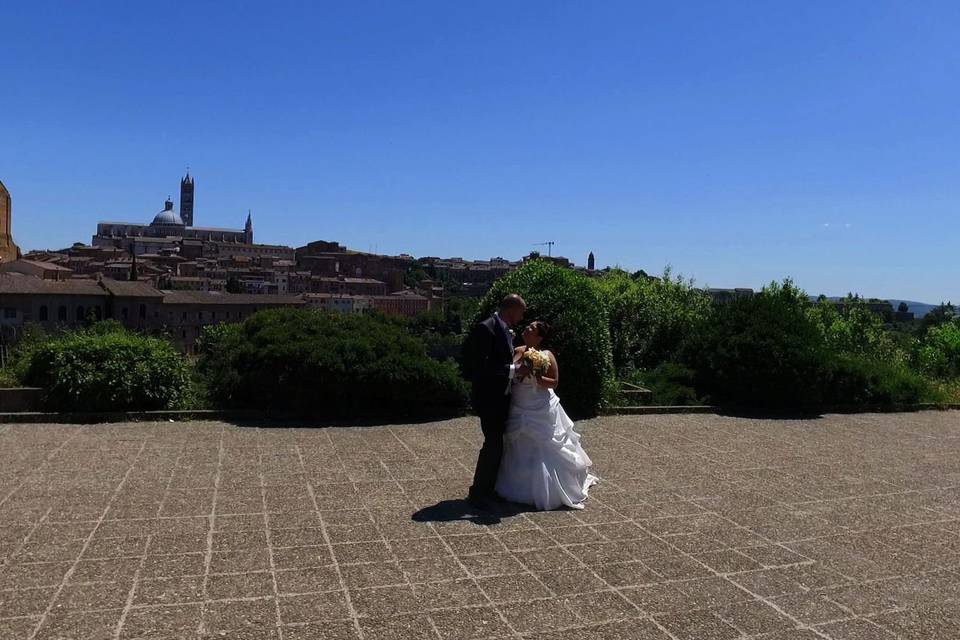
pixel 551 379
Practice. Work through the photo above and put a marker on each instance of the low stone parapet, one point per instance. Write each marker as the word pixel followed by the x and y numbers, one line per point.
pixel 17 399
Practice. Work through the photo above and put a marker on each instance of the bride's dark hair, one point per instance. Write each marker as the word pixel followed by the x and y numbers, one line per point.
pixel 546 333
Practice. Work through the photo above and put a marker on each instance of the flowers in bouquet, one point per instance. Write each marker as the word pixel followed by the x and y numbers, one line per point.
pixel 538 361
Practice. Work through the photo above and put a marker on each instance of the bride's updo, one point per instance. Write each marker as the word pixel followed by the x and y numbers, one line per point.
pixel 546 333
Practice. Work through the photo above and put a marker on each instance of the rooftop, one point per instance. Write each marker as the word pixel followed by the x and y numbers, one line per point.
pixel 16 283
pixel 217 297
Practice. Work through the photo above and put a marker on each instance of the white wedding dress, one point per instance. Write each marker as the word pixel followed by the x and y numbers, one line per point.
pixel 543 463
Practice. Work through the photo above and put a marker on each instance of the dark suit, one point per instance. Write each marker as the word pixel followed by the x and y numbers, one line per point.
pixel 488 355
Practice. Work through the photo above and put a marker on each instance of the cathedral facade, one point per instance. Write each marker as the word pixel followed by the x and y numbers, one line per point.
pixel 168 228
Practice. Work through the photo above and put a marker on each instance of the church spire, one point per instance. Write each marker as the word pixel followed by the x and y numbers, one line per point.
pixel 133 266
pixel 186 199
pixel 248 228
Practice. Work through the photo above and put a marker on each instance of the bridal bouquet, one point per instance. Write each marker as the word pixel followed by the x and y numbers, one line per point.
pixel 538 361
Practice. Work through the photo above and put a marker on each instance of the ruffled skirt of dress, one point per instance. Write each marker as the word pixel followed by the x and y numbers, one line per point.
pixel 543 463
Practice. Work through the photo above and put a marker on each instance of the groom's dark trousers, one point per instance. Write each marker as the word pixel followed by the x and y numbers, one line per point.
pixel 487 356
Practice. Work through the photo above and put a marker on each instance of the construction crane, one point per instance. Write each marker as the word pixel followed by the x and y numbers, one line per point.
pixel 548 245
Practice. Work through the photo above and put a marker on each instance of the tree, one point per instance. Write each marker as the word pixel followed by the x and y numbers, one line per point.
pixel 233 285
pixel 939 353
pixel 941 314
pixel 650 317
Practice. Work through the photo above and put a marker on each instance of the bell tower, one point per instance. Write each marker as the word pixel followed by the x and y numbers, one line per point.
pixel 186 199
pixel 248 229
pixel 8 251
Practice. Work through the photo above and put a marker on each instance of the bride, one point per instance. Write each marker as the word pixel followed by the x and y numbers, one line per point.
pixel 543 463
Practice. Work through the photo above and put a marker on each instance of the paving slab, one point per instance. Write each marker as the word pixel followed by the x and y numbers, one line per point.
pixel 704 526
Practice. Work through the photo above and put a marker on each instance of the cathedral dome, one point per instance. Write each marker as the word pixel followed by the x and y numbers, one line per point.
pixel 168 216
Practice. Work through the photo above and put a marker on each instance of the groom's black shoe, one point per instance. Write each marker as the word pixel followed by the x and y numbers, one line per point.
pixel 482 502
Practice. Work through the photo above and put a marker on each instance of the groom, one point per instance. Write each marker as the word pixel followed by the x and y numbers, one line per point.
pixel 488 360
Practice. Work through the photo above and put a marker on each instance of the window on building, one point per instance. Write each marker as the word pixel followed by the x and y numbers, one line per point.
pixel 143 311
pixel 10 313
pixel 183 333
pixel 97 313
pixel 184 315
pixel 81 313
pixel 42 315
pixel 213 315
pixel 200 315
pixel 125 313
pixel 62 313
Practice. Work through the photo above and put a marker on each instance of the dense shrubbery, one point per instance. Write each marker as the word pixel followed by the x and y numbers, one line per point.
pixel 441 333
pixel 771 351
pixel 573 304
pixel 650 318
pixel 105 368
pixel 774 351
pixel 777 351
pixel 855 331
pixel 852 381
pixel 327 365
pixel 939 351
pixel 761 351
pixel 669 384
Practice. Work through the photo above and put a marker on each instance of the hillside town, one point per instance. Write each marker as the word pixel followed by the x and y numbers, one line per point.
pixel 172 275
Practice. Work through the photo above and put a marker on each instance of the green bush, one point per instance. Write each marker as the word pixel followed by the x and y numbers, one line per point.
pixel 761 351
pixel 670 384
pixel 855 331
pixel 8 379
pixel 572 303
pixel 327 365
pixel 851 381
pixel 776 351
pixel 650 318
pixel 107 369
pixel 939 351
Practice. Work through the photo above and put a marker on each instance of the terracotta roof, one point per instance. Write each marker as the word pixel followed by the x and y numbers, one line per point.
pixel 15 283
pixel 216 297
pixel 40 264
pixel 135 289
pixel 351 280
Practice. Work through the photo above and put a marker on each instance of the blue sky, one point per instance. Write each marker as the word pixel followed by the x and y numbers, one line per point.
pixel 738 142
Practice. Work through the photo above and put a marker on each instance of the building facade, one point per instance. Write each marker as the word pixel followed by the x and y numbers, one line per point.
pixel 8 250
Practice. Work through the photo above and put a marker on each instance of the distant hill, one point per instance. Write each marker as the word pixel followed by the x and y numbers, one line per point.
pixel 918 309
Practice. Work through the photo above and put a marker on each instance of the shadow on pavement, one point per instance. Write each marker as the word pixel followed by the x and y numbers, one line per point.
pixel 452 510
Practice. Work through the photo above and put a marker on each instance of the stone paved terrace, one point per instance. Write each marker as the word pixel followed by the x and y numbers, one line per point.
pixel 706 528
